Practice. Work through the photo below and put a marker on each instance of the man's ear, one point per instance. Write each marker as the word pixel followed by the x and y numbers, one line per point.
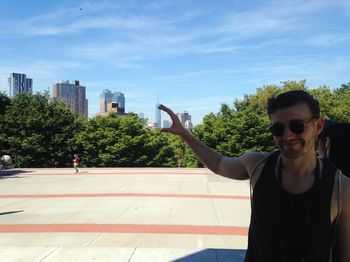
pixel 319 125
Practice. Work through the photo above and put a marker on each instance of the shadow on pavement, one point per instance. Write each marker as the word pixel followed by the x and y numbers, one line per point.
pixel 11 212
pixel 215 255
pixel 11 173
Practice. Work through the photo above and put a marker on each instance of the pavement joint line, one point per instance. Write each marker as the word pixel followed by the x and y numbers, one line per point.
pixel 160 195
pixel 213 205
pixel 49 254
pixel 92 241
pixel 171 209
pixel 133 252
pixel 125 228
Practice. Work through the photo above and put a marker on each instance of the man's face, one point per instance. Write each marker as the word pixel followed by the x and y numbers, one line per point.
pixel 300 130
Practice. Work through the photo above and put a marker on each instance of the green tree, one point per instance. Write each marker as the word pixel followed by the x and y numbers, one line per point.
pixel 244 127
pixel 116 140
pixel 183 156
pixel 4 103
pixel 334 104
pixel 37 132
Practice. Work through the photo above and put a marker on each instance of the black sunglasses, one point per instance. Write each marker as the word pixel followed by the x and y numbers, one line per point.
pixel 297 126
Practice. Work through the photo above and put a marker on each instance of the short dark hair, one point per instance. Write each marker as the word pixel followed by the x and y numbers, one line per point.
pixel 292 98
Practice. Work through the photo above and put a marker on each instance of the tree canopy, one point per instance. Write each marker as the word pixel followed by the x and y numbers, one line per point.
pixel 39 132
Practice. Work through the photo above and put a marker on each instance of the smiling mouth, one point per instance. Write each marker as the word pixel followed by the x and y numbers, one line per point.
pixel 291 143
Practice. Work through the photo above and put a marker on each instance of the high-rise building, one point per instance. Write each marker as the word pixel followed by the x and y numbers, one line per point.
pixel 73 95
pixel 158 122
pixel 112 102
pixel 19 83
pixel 185 119
pixel 166 124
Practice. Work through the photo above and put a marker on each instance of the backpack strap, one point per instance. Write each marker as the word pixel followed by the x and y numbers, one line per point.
pixel 338 175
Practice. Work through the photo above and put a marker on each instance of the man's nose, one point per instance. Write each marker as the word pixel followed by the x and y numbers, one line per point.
pixel 287 132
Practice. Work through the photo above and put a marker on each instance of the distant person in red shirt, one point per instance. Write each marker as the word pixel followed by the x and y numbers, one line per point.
pixel 76 163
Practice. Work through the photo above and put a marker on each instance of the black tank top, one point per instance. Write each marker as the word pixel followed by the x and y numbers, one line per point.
pixel 290 227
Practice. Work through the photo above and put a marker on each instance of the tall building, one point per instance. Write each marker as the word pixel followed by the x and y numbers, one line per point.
pixel 73 95
pixel 112 102
pixel 166 123
pixel 185 119
pixel 158 122
pixel 19 83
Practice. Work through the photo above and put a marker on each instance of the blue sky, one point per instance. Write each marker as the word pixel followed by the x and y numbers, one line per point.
pixel 191 55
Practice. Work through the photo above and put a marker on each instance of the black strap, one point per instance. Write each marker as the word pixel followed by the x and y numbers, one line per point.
pixel 334 233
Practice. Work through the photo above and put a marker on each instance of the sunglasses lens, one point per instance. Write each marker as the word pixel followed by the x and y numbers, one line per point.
pixel 297 127
pixel 277 129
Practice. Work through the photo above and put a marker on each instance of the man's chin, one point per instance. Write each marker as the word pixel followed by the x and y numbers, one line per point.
pixel 291 153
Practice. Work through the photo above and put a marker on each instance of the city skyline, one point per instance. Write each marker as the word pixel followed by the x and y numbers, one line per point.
pixel 191 56
pixel 72 92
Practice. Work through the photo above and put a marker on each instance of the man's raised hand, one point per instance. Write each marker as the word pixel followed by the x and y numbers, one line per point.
pixel 176 127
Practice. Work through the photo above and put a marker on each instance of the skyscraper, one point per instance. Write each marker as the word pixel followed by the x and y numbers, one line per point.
pixel 166 123
pixel 73 95
pixel 109 100
pixel 141 115
pixel 185 119
pixel 158 122
pixel 19 83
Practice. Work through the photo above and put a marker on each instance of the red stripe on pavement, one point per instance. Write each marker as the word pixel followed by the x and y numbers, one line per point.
pixel 114 173
pixel 124 195
pixel 125 228
pixel 114 169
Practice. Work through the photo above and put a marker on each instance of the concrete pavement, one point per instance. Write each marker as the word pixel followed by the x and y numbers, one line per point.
pixel 122 214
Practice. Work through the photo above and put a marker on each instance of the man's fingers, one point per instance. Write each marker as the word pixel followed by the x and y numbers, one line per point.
pixel 165 129
pixel 166 109
pixel 169 111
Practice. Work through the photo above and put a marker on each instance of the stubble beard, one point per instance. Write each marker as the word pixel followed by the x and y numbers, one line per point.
pixel 305 147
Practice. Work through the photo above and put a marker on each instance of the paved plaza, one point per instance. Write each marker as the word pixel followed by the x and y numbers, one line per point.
pixel 122 214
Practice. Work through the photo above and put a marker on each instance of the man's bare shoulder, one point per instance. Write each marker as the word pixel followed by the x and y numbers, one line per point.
pixel 255 155
pixel 239 167
pixel 250 159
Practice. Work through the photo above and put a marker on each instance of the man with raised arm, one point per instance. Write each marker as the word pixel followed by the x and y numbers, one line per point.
pixel 300 203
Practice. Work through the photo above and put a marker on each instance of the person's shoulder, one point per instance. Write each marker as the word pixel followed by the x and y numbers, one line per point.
pixel 253 159
pixel 254 156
